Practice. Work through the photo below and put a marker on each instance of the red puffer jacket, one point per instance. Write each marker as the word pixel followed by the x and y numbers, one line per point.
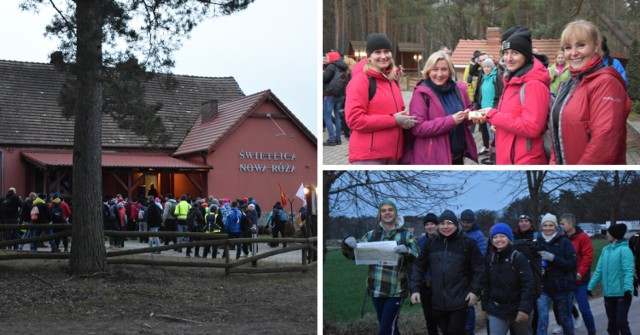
pixel 593 120
pixel 519 127
pixel 374 133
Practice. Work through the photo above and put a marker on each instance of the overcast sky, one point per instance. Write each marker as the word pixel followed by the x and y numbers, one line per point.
pixel 270 45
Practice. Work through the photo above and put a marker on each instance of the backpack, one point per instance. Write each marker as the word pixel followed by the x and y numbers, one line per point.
pixel 112 212
pixel 634 245
pixel 57 215
pixel 530 251
pixel 546 135
pixel 142 214
pixel 35 213
pixel 337 87
pixel 282 215
pixel 212 225
pixel 194 217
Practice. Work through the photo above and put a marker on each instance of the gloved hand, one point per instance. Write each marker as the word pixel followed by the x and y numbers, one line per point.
pixel 627 297
pixel 547 256
pixel 471 298
pixel 351 242
pixel 401 249
pixel 415 298
pixel 522 317
pixel 589 293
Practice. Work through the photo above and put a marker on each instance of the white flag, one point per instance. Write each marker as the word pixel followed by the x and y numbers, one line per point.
pixel 300 193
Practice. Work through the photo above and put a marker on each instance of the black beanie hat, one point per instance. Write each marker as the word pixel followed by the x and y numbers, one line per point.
pixel 617 231
pixel 430 217
pixel 518 38
pixel 449 216
pixel 377 41
pixel 468 215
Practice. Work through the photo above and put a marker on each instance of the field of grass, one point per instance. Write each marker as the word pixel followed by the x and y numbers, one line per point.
pixel 344 286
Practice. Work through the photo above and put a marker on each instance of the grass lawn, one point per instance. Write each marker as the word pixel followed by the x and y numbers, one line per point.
pixel 344 286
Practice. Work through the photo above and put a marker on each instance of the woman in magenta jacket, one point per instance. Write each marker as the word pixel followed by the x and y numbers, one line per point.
pixel 376 124
pixel 519 126
pixel 589 116
pixel 441 107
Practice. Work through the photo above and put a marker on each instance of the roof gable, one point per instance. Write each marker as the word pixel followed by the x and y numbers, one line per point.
pixel 30 115
pixel 205 136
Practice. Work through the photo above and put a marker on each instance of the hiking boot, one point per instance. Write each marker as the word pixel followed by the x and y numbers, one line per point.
pixel 338 142
pixel 329 143
pixel 557 329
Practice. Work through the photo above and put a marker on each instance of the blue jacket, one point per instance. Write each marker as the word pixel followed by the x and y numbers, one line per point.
pixel 618 66
pixel 476 234
pixel 560 274
pixel 232 221
pixel 614 269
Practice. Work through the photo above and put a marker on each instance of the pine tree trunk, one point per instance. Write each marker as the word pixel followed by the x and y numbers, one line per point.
pixel 88 254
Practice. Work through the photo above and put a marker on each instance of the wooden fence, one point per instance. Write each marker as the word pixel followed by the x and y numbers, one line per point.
pixel 307 246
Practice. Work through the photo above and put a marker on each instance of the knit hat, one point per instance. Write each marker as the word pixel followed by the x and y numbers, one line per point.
pixel 377 41
pixel 55 196
pixel 501 228
pixel 430 217
pixel 477 54
pixel 550 217
pixel 333 56
pixel 488 62
pixel 467 215
pixel 449 215
pixel 525 217
pixel 386 202
pixel 518 38
pixel 617 231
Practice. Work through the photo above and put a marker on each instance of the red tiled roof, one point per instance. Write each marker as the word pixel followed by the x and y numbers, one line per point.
pixel 464 50
pixel 112 159
pixel 205 136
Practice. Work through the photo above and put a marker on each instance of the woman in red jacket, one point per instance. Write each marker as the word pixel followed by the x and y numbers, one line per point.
pixel 590 113
pixel 520 124
pixel 376 122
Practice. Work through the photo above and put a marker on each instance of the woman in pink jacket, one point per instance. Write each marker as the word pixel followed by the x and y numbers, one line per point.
pixel 520 124
pixel 376 121
pixel 441 107
pixel 589 116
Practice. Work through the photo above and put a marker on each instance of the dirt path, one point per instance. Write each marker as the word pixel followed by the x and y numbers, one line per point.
pixel 39 296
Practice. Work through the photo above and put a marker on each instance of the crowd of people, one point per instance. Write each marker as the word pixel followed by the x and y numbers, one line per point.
pixel 571 112
pixel 238 218
pixel 517 275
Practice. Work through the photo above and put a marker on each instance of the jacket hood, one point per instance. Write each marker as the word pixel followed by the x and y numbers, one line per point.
pixel 623 243
pixel 173 200
pixel 399 223
pixel 608 69
pixel 537 72
pixel 340 64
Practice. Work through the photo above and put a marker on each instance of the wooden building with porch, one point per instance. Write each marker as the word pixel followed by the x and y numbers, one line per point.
pixel 222 142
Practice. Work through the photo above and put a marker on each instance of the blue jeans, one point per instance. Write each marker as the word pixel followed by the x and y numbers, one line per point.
pixel 617 313
pixel 182 228
pixel 562 300
pixel 470 325
pixel 330 107
pixel 499 326
pixel 583 305
pixel 154 239
pixel 388 311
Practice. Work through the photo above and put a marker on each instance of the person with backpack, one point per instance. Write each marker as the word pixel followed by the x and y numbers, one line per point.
pixel 487 95
pixel 559 263
pixel 558 72
pixel 180 212
pixel 195 224
pixel 169 219
pixel 520 124
pixel 334 80
pixel 152 219
pixel 60 213
pixel 615 271
pixel 441 107
pixel 584 253
pixel 11 211
pixel 213 225
pixel 232 225
pixel 589 117
pixel 506 267
pixel 388 285
pixel 456 269
pixel 141 217
pixel 607 60
pixel 430 225
pixel 276 221
pixel 376 122
pixel 472 230
pixel 41 214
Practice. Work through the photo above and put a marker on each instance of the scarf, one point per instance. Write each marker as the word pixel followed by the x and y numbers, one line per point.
pixel 452 104
pixel 548 238
pixel 593 65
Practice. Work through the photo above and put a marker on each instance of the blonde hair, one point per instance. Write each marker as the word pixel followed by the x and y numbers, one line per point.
pixel 581 30
pixel 351 63
pixel 433 60
pixel 393 70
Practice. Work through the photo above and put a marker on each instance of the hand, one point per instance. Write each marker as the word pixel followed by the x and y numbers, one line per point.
pixel 492 128
pixel 547 256
pixel 404 120
pixel 351 242
pixel 471 298
pixel 627 297
pixel 578 276
pixel 522 317
pixel 401 249
pixel 589 293
pixel 461 116
pixel 415 298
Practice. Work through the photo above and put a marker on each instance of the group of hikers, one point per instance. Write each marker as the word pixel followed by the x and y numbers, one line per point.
pixel 516 274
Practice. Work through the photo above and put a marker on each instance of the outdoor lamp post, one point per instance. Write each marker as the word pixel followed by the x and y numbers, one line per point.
pixel 418 58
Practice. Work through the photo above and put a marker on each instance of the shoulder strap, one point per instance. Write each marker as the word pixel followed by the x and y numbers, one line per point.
pixel 372 87
pixel 403 237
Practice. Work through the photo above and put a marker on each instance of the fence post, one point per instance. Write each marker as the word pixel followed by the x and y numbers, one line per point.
pixel 227 259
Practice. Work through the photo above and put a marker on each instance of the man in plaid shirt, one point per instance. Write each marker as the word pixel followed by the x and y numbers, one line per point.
pixel 388 285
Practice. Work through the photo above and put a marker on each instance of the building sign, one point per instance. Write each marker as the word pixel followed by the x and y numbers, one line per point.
pixel 267 162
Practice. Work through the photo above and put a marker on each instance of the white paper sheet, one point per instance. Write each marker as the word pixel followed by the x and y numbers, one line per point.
pixel 377 253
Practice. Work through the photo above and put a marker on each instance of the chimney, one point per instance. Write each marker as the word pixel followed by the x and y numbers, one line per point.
pixel 494 35
pixel 57 59
pixel 209 110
